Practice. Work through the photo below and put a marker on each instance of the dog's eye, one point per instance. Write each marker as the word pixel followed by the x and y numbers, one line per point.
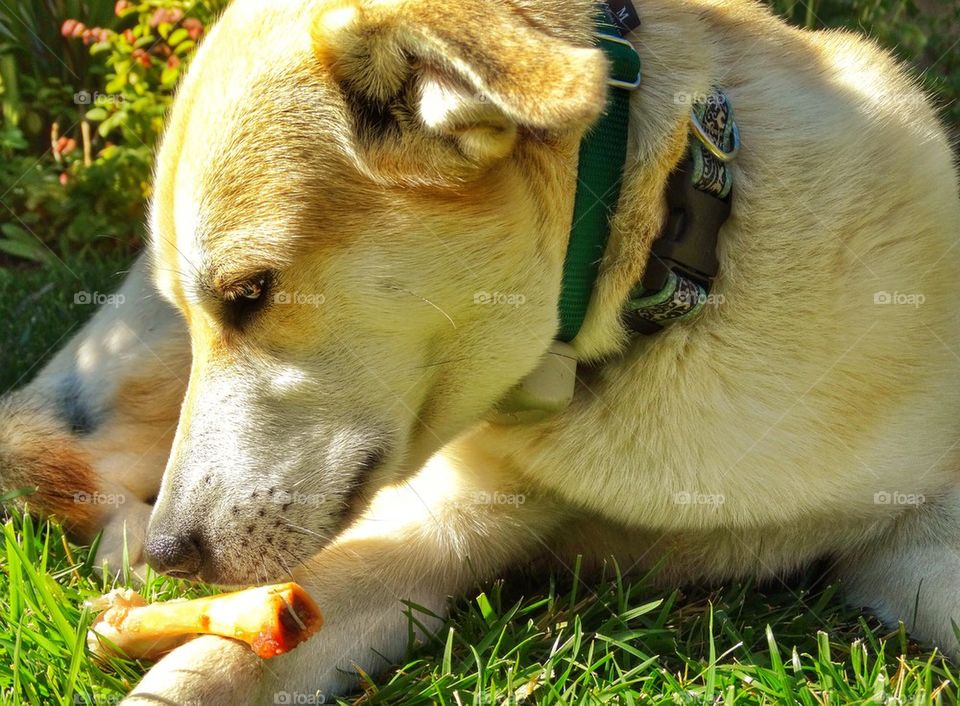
pixel 244 299
pixel 251 290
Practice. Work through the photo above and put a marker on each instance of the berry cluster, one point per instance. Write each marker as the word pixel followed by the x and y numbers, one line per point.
pixel 89 35
pixel 161 49
pixel 142 51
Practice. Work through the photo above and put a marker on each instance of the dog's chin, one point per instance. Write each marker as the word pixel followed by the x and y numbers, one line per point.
pixel 275 560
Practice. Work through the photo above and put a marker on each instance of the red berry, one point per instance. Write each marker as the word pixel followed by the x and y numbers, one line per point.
pixel 165 15
pixel 121 7
pixel 194 28
pixel 64 178
pixel 78 29
pixel 66 29
pixel 129 36
pixel 65 145
pixel 173 62
pixel 142 58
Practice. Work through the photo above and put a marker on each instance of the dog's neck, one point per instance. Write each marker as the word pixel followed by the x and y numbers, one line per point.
pixel 659 125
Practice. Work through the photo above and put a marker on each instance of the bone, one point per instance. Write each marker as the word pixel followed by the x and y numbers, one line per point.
pixel 272 620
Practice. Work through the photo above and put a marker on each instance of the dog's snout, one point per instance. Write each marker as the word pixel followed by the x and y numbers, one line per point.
pixel 175 555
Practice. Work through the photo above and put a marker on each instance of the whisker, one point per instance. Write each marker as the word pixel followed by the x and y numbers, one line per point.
pixel 304 530
pixel 427 301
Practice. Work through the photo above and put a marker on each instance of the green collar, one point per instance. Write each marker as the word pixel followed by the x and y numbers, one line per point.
pixel 676 285
pixel 603 155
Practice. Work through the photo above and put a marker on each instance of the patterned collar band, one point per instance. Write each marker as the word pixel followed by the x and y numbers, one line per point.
pixel 683 262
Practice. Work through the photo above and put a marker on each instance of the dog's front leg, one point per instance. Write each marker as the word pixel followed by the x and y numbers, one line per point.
pixel 423 541
pixel 207 671
pixel 455 523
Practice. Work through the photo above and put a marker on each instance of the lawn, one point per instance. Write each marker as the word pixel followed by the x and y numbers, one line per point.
pixel 560 639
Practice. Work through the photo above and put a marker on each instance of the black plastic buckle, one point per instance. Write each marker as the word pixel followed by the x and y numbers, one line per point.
pixel 688 244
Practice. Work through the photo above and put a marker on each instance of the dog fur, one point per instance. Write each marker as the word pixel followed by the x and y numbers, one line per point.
pixel 340 184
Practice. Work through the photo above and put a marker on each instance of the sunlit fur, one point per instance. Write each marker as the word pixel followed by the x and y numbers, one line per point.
pixel 397 160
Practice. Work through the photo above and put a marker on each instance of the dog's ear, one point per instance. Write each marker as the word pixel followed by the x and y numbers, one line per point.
pixel 471 73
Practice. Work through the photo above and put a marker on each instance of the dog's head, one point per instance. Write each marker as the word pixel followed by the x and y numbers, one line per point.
pixel 361 210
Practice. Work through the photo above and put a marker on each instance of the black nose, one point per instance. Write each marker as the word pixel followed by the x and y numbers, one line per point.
pixel 175 555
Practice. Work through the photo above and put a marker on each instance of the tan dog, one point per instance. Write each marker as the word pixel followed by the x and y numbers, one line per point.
pixel 339 182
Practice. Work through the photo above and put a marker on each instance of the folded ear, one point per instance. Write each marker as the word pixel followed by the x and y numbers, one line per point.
pixel 473 72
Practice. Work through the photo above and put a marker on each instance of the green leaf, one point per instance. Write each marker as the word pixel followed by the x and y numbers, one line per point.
pixel 177 36
pixel 447 654
pixel 24 250
pixel 15 232
pixel 14 494
pixel 97 115
pixel 170 75
pixel 111 123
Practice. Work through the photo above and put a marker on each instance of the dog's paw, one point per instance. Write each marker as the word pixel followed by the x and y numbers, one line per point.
pixel 127 526
pixel 207 671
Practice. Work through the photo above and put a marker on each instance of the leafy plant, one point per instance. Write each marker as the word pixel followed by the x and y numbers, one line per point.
pixel 142 60
pixel 77 153
pixel 34 59
pixel 99 206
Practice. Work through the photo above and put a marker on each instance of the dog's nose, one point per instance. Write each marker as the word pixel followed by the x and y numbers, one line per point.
pixel 175 555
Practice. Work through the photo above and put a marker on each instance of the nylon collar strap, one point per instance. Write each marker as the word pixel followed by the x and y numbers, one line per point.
pixel 683 260
pixel 603 154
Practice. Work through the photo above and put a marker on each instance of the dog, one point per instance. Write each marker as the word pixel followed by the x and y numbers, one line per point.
pixel 300 380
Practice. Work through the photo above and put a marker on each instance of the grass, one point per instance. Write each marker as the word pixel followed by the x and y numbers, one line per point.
pixel 39 309
pixel 527 639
